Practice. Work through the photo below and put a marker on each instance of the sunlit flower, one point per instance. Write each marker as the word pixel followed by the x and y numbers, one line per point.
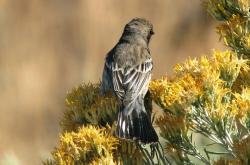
pixel 87 145
pixel 242 81
pixel 206 79
pixel 241 103
pixel 235 34
pixel 244 5
pixel 224 10
pixel 86 106
pixel 190 65
pixel 164 92
pixel 229 65
pixel 108 160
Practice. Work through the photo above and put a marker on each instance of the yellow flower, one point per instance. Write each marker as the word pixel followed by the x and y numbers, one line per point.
pixel 204 63
pixel 86 106
pixel 169 94
pixel 206 79
pixel 87 145
pixel 242 81
pixel 190 65
pixel 164 92
pixel 235 33
pixel 108 160
pixel 244 5
pixel 229 65
pixel 241 103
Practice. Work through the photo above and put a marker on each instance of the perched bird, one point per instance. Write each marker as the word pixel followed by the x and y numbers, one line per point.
pixel 127 72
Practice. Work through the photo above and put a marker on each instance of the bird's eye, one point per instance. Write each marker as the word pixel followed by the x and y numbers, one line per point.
pixel 152 32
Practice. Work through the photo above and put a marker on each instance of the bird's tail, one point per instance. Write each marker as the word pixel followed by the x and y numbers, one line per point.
pixel 134 123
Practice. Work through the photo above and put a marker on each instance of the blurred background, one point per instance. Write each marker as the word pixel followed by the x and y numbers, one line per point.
pixel 49 46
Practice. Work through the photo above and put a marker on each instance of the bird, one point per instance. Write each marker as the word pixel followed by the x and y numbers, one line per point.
pixel 127 73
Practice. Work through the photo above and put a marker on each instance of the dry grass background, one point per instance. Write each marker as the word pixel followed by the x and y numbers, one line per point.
pixel 49 46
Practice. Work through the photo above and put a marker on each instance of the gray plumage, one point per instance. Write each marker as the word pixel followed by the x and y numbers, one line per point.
pixel 127 72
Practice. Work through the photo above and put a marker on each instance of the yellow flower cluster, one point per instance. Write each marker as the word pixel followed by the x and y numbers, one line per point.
pixel 86 106
pixel 229 65
pixel 108 160
pixel 234 21
pixel 89 145
pixel 244 5
pixel 234 33
pixel 224 9
pixel 234 30
pixel 241 103
pixel 166 93
pixel 242 81
pixel 208 80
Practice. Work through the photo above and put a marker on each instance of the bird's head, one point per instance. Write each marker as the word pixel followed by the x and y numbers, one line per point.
pixel 141 27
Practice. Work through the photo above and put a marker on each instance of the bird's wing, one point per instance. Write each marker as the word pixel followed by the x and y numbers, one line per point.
pixel 136 80
pixel 129 83
pixel 112 79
